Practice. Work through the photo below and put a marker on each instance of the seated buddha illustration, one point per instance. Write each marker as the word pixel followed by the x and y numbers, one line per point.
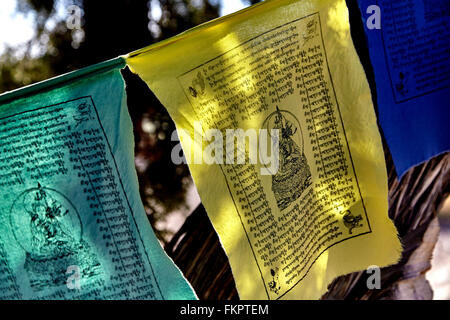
pixel 48 228
pixel 293 175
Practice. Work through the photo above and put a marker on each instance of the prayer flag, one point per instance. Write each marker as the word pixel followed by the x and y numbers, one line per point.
pixel 72 224
pixel 275 119
pixel 409 48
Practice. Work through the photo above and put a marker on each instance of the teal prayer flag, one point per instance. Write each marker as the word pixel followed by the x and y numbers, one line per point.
pixel 72 224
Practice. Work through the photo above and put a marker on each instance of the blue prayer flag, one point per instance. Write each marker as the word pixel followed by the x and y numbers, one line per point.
pixel 409 48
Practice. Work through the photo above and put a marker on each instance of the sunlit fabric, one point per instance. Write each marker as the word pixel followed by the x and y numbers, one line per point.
pixel 72 225
pixel 286 74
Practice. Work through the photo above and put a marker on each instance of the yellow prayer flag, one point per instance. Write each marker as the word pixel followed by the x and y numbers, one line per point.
pixel 282 76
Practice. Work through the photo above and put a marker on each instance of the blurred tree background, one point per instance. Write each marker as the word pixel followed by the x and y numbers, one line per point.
pixel 109 29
